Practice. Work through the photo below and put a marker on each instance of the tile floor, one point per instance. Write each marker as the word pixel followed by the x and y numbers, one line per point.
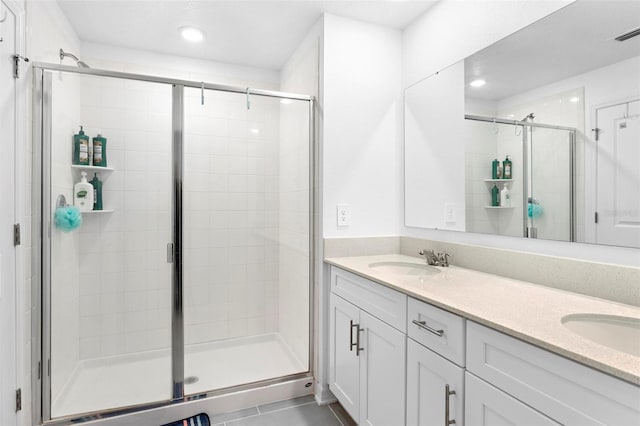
pixel 302 411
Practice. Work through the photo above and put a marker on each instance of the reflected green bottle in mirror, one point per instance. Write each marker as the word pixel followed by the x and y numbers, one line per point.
pixel 507 170
pixel 494 169
pixel 495 196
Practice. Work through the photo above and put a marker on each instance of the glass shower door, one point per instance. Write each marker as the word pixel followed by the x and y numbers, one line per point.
pixel 246 239
pixel 109 291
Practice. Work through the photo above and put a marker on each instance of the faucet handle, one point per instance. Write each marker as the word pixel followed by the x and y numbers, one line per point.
pixel 443 258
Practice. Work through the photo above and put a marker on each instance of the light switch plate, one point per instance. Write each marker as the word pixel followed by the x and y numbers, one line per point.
pixel 450 213
pixel 343 212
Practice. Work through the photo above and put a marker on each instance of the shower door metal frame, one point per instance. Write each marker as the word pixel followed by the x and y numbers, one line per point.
pixel 41 241
pixel 526 143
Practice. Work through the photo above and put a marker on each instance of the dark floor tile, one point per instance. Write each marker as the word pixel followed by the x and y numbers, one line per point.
pixel 278 405
pixel 302 415
pixel 342 414
pixel 234 415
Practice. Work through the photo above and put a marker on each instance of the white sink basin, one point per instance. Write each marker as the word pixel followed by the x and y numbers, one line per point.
pixel 405 268
pixel 615 332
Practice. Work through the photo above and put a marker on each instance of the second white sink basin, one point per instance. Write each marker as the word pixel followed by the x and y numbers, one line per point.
pixel 616 332
pixel 405 268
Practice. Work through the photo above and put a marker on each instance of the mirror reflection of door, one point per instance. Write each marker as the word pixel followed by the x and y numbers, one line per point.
pixel 618 176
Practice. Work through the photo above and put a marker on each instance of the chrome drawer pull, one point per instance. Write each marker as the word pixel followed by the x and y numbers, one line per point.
pixel 423 324
pixel 447 394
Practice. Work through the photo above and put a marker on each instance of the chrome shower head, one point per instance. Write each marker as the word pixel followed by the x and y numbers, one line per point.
pixel 79 63
pixel 530 117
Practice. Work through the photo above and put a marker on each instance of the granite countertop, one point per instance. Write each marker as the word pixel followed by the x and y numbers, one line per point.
pixel 520 309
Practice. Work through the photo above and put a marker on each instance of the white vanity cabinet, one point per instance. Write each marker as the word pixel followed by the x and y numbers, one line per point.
pixel 367 353
pixel 435 366
pixel 506 369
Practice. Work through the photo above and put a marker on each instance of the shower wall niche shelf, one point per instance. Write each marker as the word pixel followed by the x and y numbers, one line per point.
pixel 98 211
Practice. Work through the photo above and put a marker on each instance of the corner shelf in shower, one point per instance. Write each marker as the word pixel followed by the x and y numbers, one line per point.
pixel 92 168
pixel 498 180
pixel 98 211
pixel 498 207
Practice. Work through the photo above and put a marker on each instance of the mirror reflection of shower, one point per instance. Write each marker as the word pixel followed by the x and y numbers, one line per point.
pixel 79 63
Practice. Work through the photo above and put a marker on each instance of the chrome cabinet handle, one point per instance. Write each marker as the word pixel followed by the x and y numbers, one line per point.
pixel 351 344
pixel 423 325
pixel 447 394
pixel 358 348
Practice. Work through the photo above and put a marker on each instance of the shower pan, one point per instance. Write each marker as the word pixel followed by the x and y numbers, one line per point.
pixel 195 279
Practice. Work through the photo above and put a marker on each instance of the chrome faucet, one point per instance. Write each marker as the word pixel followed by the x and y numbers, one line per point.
pixel 440 259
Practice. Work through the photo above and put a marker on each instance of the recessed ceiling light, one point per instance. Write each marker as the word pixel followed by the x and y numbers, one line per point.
pixel 191 34
pixel 255 131
pixel 477 83
pixel 575 99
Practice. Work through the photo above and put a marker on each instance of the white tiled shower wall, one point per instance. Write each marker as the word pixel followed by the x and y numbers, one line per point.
pixel 125 280
pixel 231 215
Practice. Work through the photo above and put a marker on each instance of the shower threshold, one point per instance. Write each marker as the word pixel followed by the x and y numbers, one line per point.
pixel 124 380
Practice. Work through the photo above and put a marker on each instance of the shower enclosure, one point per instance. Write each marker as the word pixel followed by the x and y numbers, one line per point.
pixel 195 277
pixel 543 186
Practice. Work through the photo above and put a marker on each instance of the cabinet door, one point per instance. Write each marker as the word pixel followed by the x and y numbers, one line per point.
pixel 382 373
pixel 486 405
pixel 428 375
pixel 344 372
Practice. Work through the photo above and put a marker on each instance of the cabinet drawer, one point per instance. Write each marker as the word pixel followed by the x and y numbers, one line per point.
pixel 380 301
pixel 439 330
pixel 488 406
pixel 564 390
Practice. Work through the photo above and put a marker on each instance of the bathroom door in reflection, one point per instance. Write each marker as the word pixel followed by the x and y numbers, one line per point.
pixel 110 285
pixel 246 239
pixel 549 206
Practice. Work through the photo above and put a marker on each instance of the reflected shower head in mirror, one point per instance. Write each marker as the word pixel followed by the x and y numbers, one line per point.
pixel 79 63
pixel 529 117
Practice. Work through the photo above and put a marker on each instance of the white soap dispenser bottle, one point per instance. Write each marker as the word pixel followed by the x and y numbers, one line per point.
pixel 83 194
pixel 505 196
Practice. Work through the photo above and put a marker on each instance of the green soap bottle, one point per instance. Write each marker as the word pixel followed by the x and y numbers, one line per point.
pixel 507 170
pixel 97 192
pixel 494 169
pixel 81 149
pixel 495 196
pixel 100 151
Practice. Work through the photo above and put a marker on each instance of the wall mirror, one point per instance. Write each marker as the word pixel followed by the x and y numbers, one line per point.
pixel 561 99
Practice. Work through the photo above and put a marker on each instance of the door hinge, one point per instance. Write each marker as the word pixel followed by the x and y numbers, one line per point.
pixel 170 253
pixel 39 370
pixel 16 234
pixel 18 400
pixel 596 217
pixel 16 65
pixel 597 131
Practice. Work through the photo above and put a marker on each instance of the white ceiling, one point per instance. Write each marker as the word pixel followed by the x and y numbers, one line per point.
pixel 576 39
pixel 258 33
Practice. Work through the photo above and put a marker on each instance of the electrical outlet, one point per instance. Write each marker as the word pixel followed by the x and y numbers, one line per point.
pixel 450 213
pixel 343 212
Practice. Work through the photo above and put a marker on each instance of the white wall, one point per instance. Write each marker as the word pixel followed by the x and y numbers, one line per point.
pixel 451 31
pixel 362 126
